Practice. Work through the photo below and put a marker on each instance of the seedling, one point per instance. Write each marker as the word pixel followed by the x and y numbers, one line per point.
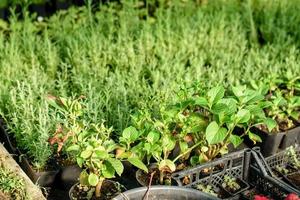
pixel 230 183
pixel 207 189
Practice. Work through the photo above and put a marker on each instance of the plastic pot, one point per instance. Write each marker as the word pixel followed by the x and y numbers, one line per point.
pixel 290 138
pixel 5 139
pixel 164 192
pixel 270 141
pixel 68 176
pixel 120 187
pixel 42 178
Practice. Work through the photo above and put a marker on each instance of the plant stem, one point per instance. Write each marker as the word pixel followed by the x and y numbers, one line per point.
pixel 98 187
pixel 161 177
pixel 187 151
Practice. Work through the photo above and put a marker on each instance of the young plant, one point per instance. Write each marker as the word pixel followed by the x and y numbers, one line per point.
pixel 210 120
pixel 94 151
pixel 230 183
pixel 207 189
pixel 154 141
pixel 294 161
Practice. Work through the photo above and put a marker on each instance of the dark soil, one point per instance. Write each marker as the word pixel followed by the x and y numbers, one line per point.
pixel 109 190
pixel 145 177
pixel 294 178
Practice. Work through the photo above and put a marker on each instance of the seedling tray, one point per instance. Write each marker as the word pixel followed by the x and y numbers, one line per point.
pixel 280 159
pixel 245 165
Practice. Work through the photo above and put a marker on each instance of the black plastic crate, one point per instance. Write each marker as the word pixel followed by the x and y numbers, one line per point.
pixel 283 160
pixel 243 165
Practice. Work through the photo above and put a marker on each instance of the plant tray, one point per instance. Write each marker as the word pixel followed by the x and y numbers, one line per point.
pixel 244 165
pixel 280 159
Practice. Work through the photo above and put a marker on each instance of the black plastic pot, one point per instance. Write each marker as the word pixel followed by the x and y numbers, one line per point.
pixel 292 137
pixel 3 13
pixel 117 185
pixel 5 139
pixel 270 141
pixel 42 178
pixel 164 192
pixel 68 176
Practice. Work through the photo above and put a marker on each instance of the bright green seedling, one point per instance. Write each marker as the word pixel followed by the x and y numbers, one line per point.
pixel 230 183
pixel 207 189
pixel 294 160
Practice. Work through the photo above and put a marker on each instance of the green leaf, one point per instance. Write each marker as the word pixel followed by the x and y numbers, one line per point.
pixel 235 140
pixel 214 134
pixel 243 116
pixel 194 160
pixel 108 171
pixel 130 133
pixel 117 164
pixel 74 147
pixel 138 163
pixel 83 178
pixel 86 154
pixel 215 94
pixel 93 179
pixel 219 108
pixel 101 154
pixel 183 146
pixel 255 138
pixel 270 123
pixel 80 161
pixel 168 143
pixel 201 101
pixel 238 91
pixel 153 136
pixel 170 164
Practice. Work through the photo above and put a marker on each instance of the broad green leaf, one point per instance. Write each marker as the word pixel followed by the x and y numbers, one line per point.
pixel 108 171
pixel 168 143
pixel 270 123
pixel 215 94
pixel 253 97
pixel 238 91
pixel 153 136
pixel 243 116
pixel 101 154
pixel 256 110
pixel 211 131
pixel 117 164
pixel 214 134
pixel 130 133
pixel 235 140
pixel 83 178
pixel 167 163
pixel 93 179
pixel 219 108
pixel 73 148
pixel 80 161
pixel 231 105
pixel 86 154
pixel 255 138
pixel 138 163
pixel 201 101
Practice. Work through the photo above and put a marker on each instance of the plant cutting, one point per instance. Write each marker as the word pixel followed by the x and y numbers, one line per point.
pixel 94 151
pixel 154 142
pixel 210 120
